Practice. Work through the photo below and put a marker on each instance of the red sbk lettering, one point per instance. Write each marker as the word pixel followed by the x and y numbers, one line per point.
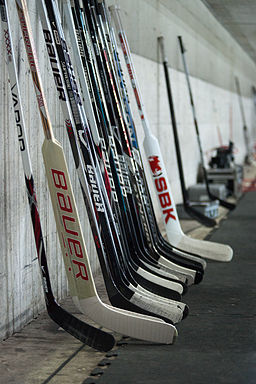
pixel 164 198
pixel 65 206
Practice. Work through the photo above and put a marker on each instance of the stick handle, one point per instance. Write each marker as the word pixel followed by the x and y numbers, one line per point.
pixel 161 44
pixel 34 67
pixel 181 44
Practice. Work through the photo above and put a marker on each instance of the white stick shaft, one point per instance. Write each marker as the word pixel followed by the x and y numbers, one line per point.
pixel 15 90
pixel 151 145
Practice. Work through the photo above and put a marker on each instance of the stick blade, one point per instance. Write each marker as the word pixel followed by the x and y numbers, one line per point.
pixel 94 337
pixel 75 258
pixel 207 221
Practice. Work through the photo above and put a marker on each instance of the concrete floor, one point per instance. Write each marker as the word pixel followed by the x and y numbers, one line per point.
pixel 43 353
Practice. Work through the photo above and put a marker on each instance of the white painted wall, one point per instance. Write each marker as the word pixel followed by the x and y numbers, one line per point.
pixel 21 295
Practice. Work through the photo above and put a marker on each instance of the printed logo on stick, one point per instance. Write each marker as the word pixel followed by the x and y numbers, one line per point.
pixel 155 166
pixel 162 189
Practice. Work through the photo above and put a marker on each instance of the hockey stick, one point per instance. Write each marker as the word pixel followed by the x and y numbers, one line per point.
pixel 134 298
pixel 248 156
pixel 120 122
pixel 125 141
pixel 80 77
pixel 47 34
pixel 63 53
pixel 62 37
pixel 175 234
pixel 76 262
pixel 224 203
pixel 77 55
pixel 158 241
pixel 86 333
pixel 254 95
pixel 130 275
pixel 125 108
pixel 186 202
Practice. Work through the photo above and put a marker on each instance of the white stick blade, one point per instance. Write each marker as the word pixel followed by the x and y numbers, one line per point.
pixel 67 221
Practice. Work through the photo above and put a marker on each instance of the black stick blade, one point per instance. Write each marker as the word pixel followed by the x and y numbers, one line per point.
pixel 94 337
pixel 207 221
pixel 224 203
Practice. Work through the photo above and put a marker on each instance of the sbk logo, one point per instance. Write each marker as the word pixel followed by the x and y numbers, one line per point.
pixel 162 189
pixel 154 163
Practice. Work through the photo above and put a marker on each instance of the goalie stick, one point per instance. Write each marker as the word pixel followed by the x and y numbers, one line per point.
pixel 71 239
pixel 134 298
pixel 224 203
pixel 86 333
pixel 174 231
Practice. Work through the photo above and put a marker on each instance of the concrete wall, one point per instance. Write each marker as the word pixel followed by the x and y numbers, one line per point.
pixel 213 55
pixel 214 58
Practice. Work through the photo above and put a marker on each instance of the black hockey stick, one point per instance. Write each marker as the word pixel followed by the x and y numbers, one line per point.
pixel 86 333
pixel 187 205
pixel 224 203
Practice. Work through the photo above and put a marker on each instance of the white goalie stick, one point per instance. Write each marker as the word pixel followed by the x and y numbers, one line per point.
pixel 176 237
pixel 86 333
pixel 76 261
pixel 132 299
